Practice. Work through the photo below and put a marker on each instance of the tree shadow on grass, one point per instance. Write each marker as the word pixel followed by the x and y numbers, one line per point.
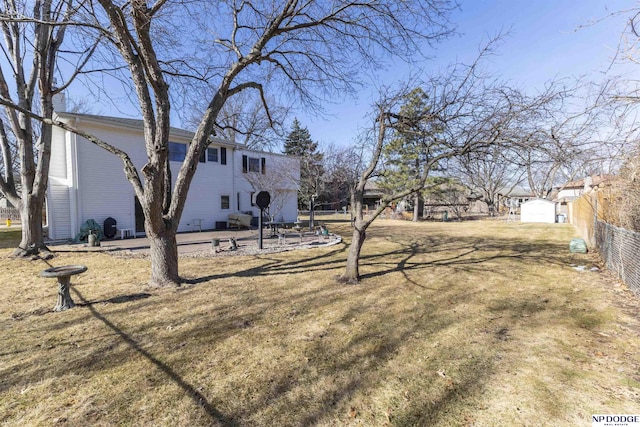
pixel 197 397
pixel 470 254
pixel 116 300
pixel 332 371
pixel 275 266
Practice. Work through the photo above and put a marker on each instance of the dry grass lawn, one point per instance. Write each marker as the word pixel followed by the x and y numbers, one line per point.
pixel 454 324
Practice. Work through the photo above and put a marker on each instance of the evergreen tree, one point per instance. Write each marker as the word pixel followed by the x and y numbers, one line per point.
pixel 299 143
pixel 413 144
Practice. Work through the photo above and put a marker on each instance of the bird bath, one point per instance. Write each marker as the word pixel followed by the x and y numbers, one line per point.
pixel 63 274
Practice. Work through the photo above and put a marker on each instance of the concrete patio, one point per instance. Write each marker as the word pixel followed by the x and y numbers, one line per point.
pixel 200 242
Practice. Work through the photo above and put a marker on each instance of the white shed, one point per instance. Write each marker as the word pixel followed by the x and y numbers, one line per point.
pixel 538 210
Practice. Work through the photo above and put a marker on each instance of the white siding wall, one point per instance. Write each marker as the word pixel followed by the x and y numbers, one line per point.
pixel 58 194
pixel 212 180
pixel 58 211
pixel 103 191
pixel 58 166
pixel 281 178
pixel 290 209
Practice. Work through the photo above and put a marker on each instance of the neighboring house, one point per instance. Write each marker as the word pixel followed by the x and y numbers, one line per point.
pixel 87 182
pixel 8 211
pixel 446 199
pixel 573 190
pixel 5 203
pixel 372 195
pixel 513 198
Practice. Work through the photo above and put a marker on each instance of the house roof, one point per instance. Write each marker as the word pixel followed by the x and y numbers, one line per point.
pixel 516 191
pixel 371 189
pixel 135 124
pixel 595 180
pixel 538 201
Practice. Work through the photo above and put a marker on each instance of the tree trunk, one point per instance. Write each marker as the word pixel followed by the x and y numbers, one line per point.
pixel 416 206
pixel 352 272
pixel 163 249
pixel 491 207
pixel 32 241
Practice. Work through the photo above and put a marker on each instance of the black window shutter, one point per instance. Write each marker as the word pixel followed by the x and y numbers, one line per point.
pixel 223 155
pixel 264 165
pixel 245 164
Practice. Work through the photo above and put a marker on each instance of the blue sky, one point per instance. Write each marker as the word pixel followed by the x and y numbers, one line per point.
pixel 547 40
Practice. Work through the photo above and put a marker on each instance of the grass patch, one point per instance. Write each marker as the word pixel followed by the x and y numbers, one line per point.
pixel 10 237
pixel 454 324
pixel 589 320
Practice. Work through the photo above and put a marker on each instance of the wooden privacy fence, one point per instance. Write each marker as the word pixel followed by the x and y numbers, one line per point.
pixel 582 214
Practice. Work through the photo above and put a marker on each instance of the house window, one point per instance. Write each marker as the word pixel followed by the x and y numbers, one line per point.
pixel 177 151
pixel 254 164
pixel 223 156
pixel 225 202
pixel 212 154
pixel 251 164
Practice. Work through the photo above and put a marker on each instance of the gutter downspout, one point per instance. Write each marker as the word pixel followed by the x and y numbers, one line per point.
pixel 233 175
pixel 74 209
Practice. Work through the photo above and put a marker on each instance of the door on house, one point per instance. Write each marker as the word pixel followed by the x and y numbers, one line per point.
pixel 139 216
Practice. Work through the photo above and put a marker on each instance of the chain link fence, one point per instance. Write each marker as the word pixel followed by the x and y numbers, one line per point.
pixel 618 248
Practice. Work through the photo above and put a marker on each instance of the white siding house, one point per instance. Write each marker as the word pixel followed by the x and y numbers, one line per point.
pixel 87 182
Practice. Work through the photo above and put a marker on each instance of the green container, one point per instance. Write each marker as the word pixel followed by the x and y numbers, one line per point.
pixel 578 246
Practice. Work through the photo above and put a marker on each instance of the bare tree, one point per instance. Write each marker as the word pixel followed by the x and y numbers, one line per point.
pixel 490 173
pixel 244 120
pixel 342 166
pixel 571 129
pixel 621 150
pixel 33 50
pixel 461 111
